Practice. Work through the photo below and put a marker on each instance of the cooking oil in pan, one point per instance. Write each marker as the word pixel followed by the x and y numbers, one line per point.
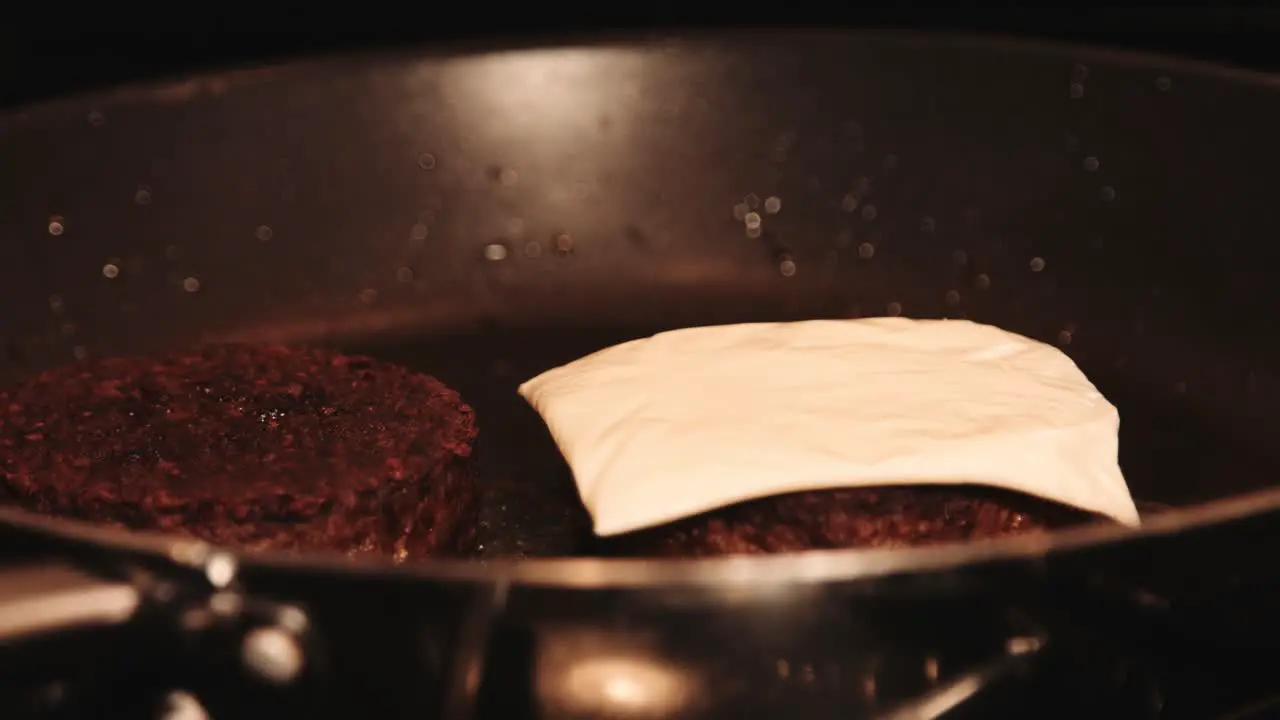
pixel 530 505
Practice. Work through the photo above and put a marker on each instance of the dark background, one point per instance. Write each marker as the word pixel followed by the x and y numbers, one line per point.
pixel 39 59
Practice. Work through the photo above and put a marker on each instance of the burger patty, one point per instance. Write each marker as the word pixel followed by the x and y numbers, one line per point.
pixel 847 518
pixel 260 447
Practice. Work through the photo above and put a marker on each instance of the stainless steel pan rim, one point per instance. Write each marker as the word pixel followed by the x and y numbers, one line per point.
pixel 594 573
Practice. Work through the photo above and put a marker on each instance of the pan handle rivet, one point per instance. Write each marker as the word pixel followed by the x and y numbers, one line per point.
pixel 181 705
pixel 1022 645
pixel 220 569
pixel 273 655
pixel 291 619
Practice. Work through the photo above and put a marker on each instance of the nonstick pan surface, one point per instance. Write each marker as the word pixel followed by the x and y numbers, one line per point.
pixel 484 216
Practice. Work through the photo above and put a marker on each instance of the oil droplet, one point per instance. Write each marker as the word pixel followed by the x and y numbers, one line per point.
pixel 56 225
pixel 740 211
pixel 418 232
pixel 508 177
pixel 368 296
pixel 404 274
pixel 752 220
pixel 953 298
pixel 866 251
pixel 960 257
pixel 495 252
pixel 264 233
pixel 143 195
pixel 752 201
pixel 772 205
pixel 786 267
pixel 1076 91
pixel 1037 264
pixel 849 202
pixel 427 161
pixel 982 281
pixel 928 224
pixel 501 368
pixel 80 352
pixel 110 271
pixel 1091 163
pixel 563 243
pixel 754 232
pixel 894 309
pixel 533 249
pixel 191 284
pixel 96 118
pixel 1064 337
pixel 55 303
pixel 1107 193
pixel 1163 84
pixel 869 212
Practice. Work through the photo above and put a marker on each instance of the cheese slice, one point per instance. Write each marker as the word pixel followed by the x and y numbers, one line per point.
pixel 687 421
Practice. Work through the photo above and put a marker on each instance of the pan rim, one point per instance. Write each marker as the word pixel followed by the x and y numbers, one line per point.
pixel 587 573
pixel 183 87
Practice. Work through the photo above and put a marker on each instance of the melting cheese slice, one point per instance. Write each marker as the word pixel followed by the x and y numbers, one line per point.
pixel 690 420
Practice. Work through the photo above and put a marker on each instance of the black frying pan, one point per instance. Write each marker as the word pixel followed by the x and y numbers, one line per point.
pixel 487 215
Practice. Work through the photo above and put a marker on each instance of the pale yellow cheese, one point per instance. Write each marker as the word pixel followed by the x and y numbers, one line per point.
pixel 690 420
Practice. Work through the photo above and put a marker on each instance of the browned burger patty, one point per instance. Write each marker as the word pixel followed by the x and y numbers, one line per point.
pixel 858 518
pixel 254 446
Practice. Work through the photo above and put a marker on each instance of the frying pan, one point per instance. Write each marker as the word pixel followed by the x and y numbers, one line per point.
pixel 487 214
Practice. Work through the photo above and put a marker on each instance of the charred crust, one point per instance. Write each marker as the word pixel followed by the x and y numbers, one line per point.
pixel 260 447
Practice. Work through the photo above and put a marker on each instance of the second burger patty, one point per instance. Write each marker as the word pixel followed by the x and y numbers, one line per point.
pixel 260 447
pixel 847 518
